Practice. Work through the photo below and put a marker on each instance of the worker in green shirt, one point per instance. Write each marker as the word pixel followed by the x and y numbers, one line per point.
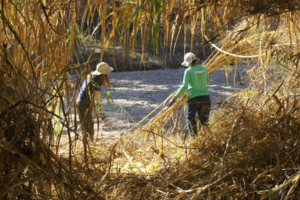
pixel 195 80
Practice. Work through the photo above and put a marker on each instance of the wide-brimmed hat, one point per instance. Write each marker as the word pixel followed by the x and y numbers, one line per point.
pixel 102 68
pixel 189 58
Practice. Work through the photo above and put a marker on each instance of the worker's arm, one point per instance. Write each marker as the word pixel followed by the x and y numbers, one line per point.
pixel 184 85
pixel 99 106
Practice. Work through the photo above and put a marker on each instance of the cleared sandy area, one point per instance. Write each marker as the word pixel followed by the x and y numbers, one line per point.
pixel 135 94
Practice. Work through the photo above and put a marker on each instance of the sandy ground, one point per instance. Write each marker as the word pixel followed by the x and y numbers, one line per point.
pixel 135 94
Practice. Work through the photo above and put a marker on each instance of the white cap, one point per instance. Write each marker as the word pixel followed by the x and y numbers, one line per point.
pixel 102 68
pixel 188 59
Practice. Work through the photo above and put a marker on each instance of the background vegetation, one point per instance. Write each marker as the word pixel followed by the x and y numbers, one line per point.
pixel 249 151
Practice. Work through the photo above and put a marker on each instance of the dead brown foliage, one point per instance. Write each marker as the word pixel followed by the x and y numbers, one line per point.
pixel 249 151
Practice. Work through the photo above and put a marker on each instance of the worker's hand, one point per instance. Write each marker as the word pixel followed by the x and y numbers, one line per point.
pixel 105 120
pixel 170 102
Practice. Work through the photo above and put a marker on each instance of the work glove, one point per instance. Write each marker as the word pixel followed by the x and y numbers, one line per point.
pixel 105 121
pixel 170 102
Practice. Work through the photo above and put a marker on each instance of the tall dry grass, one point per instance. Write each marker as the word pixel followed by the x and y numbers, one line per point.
pixel 249 151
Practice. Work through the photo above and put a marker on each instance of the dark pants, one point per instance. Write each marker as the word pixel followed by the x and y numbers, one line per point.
pixel 200 105
pixel 85 115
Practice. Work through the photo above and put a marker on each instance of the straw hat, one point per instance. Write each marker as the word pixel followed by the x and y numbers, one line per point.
pixel 189 58
pixel 102 68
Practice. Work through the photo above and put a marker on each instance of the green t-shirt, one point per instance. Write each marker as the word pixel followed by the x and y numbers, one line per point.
pixel 195 80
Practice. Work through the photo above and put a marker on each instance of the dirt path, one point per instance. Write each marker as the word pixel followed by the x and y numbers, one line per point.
pixel 137 93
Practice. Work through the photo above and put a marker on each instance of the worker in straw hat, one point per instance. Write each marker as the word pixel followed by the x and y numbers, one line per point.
pixel 86 97
pixel 195 80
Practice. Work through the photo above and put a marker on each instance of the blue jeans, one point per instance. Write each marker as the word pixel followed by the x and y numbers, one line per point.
pixel 200 105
